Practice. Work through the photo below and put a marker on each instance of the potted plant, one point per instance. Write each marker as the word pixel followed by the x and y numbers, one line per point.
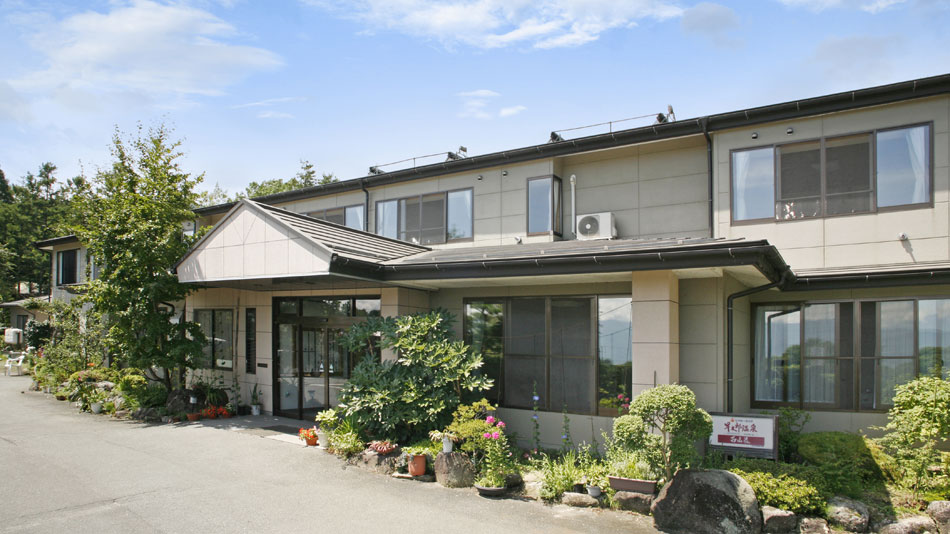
pixel 211 412
pixel 326 421
pixel 596 479
pixel 309 435
pixel 447 438
pixel 383 447
pixel 632 476
pixel 226 412
pixel 417 461
pixel 255 401
pixel 193 416
pixel 497 463
pixel 96 398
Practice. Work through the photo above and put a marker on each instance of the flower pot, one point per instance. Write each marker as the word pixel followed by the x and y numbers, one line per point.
pixel 490 492
pixel 96 407
pixel 593 491
pixel 311 442
pixel 60 397
pixel 193 416
pixel 446 445
pixel 417 465
pixel 255 409
pixel 322 439
pixel 633 484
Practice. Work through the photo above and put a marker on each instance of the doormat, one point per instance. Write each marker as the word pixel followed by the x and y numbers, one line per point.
pixel 284 429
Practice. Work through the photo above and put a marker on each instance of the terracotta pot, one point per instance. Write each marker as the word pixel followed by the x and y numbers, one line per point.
pixel 193 416
pixel 633 484
pixel 311 442
pixel 417 465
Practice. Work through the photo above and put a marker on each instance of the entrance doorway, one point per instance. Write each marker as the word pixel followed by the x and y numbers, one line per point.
pixel 310 362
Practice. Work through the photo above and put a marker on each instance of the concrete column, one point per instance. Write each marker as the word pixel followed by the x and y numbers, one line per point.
pixel 656 333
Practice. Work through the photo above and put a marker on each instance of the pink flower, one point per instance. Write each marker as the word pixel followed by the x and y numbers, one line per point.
pixel 489 419
pixel 495 435
pixel 486 435
pixel 620 396
pixel 625 406
pixel 501 424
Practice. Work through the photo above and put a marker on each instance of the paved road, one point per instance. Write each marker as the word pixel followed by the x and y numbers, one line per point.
pixel 64 471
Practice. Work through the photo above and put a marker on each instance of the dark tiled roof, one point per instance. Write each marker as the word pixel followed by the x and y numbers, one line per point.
pixel 22 302
pixel 343 240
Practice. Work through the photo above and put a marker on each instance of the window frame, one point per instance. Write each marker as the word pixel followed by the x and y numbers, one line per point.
pixel 445 215
pixel 545 386
pixel 250 342
pixel 875 208
pixel 321 214
pixel 210 342
pixel 857 351
pixel 59 267
pixel 555 203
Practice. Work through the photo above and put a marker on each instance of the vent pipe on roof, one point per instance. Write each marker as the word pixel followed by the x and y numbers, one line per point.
pixel 573 206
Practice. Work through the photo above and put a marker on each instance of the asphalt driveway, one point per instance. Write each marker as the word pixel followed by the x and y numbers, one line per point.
pixel 65 471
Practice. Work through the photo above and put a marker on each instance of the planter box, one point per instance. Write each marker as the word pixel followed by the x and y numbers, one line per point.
pixel 633 484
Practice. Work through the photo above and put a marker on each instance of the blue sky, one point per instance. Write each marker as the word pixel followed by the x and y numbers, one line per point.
pixel 254 87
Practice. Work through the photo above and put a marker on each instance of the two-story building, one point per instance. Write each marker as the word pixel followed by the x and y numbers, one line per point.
pixel 789 255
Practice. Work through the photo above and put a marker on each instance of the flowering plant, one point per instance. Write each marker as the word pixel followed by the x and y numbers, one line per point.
pixel 383 447
pixel 211 412
pixel 308 433
pixel 498 460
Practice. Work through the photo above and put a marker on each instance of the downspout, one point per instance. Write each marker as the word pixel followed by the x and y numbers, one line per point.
pixel 709 165
pixel 573 206
pixel 729 328
pixel 365 206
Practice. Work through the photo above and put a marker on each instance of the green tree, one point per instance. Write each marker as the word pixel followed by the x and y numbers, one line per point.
pixel 306 177
pixel 132 224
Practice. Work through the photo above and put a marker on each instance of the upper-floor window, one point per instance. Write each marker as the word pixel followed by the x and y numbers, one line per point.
pixel 841 175
pixel 544 205
pixel 350 216
pixel 67 267
pixel 427 219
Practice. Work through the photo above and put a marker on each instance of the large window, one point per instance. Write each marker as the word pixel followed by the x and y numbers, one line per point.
pixel 842 175
pixel 67 267
pixel 250 341
pixel 218 328
pixel 350 216
pixel 846 355
pixel 427 219
pixel 573 352
pixel 544 205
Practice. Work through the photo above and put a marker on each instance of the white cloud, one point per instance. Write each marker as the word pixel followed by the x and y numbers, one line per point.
pixel 270 102
pixel 870 6
pixel 274 115
pixel 479 93
pixel 500 23
pixel 169 51
pixel 509 111
pixel 12 106
pixel 713 21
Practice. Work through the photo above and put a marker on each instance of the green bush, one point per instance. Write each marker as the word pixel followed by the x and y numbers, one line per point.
pixel 791 421
pixel 808 473
pixel 785 492
pixel 405 399
pixel 559 475
pixel 468 424
pixel 846 460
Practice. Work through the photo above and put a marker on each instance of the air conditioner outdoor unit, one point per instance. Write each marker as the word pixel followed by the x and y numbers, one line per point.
pixel 596 226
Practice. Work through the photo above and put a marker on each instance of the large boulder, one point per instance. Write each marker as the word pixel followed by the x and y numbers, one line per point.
pixel 179 401
pixel 381 463
pixel 633 501
pixel 919 524
pixel 580 500
pixel 713 501
pixel 940 512
pixel 848 514
pixel 778 521
pixel 813 525
pixel 454 470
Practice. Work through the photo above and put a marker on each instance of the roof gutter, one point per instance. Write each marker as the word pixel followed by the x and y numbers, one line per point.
pixel 937 276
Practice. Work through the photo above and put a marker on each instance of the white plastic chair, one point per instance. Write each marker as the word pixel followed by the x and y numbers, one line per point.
pixel 14 363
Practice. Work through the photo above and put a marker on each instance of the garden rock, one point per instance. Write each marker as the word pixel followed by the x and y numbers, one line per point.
pixel 633 501
pixel 910 525
pixel 454 470
pixel 778 521
pixel 121 414
pixel 940 512
pixel 848 514
pixel 380 463
pixel 178 401
pixel 513 480
pixel 105 385
pixel 813 525
pixel 581 500
pixel 712 501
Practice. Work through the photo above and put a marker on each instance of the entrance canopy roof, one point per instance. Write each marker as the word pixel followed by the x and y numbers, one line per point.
pixel 261 247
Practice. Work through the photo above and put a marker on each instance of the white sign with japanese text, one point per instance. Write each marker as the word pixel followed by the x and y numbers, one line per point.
pixel 755 434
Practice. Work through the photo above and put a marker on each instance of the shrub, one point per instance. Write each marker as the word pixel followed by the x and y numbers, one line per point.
pixel 791 421
pixel 559 475
pixel 808 473
pixel 418 392
pixel 674 422
pixel 846 460
pixel 345 444
pixel 468 424
pixel 785 492
pixel 918 422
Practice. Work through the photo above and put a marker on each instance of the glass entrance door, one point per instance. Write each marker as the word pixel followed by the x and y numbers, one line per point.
pixel 312 365
pixel 288 370
pixel 313 351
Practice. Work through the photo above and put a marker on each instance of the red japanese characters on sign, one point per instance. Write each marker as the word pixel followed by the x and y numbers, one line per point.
pixel 744 432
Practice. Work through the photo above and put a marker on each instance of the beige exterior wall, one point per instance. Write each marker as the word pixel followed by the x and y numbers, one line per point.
pixel 850 241
pixel 60 293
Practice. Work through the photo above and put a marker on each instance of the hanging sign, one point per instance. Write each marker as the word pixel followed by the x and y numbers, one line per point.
pixel 749 435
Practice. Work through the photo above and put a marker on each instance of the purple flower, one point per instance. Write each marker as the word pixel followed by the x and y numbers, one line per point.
pixel 564 436
pixel 489 419
pixel 535 417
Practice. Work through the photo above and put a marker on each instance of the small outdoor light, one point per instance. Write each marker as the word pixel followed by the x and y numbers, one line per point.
pixel 789 130
pixel 755 135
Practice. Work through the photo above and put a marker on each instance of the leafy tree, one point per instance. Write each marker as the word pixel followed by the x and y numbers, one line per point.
pixel 132 225
pixel 306 177
pixel 216 196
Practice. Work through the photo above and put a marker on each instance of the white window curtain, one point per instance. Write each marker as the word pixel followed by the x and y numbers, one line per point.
pixel 917 147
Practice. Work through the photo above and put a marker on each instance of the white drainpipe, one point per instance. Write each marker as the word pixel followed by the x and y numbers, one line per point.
pixel 573 206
